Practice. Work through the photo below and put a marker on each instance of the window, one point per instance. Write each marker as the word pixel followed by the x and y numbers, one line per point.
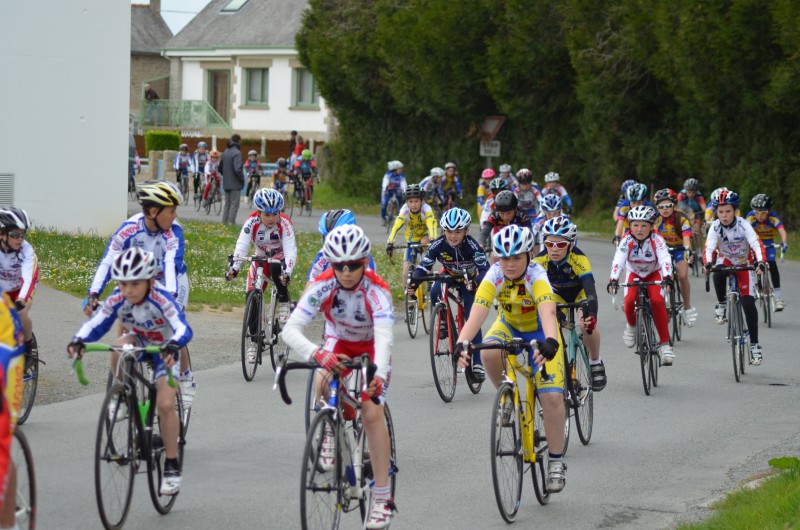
pixel 234 5
pixel 305 89
pixel 257 86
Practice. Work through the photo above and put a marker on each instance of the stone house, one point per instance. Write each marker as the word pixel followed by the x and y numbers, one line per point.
pixel 149 34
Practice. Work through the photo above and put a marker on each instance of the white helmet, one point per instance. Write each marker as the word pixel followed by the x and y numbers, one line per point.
pixel 11 218
pixel 552 176
pixel 134 264
pixel 394 165
pixel 437 172
pixel 715 194
pixel 560 226
pixel 505 168
pixel 643 213
pixel 512 240
pixel 345 243
pixel 455 219
pixel 450 165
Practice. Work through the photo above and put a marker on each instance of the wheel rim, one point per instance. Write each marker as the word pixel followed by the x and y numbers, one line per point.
pixel 30 382
pixel 320 495
pixel 643 348
pixel 584 399
pixel 538 473
pixel 22 457
pixel 252 333
pixel 444 374
pixel 506 455
pixel 115 460
pixel 157 461
pixel 411 317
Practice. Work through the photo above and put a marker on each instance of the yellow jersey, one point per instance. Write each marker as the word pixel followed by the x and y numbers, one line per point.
pixel 518 300
pixel 12 348
pixel 418 225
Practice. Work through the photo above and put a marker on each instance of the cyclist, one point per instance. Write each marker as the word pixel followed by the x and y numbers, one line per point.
pixel 457 252
pixel 736 243
pixel 646 255
pixel 506 175
pixel 19 267
pixel 305 170
pixel 149 315
pixel 552 185
pixel 623 197
pixel 487 176
pixel 710 213
pixel 551 208
pixel 496 185
pixel 768 225
pixel 570 275
pixel 212 174
pixel 527 310
pixel 199 160
pixel 357 306
pixel 419 221
pixel 451 185
pixel 690 200
pixel 394 183
pixel 506 213
pixel 528 193
pixel 432 187
pixel 330 220
pixel 182 164
pixel 676 230
pixel 272 234
pixel 252 168
pixel 281 176
pixel 637 196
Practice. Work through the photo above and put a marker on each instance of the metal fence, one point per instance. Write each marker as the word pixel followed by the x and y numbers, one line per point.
pixel 182 114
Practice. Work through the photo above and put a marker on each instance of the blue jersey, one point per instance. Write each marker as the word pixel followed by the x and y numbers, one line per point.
pixel 468 256
pixel 320 265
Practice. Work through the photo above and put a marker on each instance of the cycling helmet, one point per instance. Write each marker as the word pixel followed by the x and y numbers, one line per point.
pixel 727 197
pixel 524 176
pixel 664 195
pixel 252 152
pixel 450 165
pixel 505 168
pixel 637 192
pixel 627 184
pixel 437 172
pixel 413 191
pixel 691 184
pixel 512 240
pixel 203 145
pixel 268 200
pixel 552 177
pixel 761 202
pixel 134 264
pixel 11 218
pixel 345 243
pixel 333 218
pixel 282 163
pixel 497 185
pixel 643 213
pixel 715 194
pixel 455 219
pixel 488 173
pixel 560 226
pixel 394 165
pixel 214 154
pixel 159 193
pixel 184 147
pixel 505 201
pixel 306 154
pixel 551 203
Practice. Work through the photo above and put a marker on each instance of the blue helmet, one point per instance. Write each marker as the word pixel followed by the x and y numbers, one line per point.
pixel 726 197
pixel 512 240
pixel 637 192
pixel 203 145
pixel 627 184
pixel 551 203
pixel 333 218
pixel 455 219
pixel 560 226
pixel 268 200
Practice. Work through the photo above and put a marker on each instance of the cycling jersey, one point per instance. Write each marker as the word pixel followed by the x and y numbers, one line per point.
pixel 494 223
pixel 622 213
pixel 392 180
pixel 511 181
pixel 212 170
pixel 279 178
pixel 487 210
pixel 695 205
pixel 19 272
pixel 570 277
pixel 517 299
pixel 320 265
pixel 199 161
pixel 559 190
pixel 167 246
pixel 12 349
pixel 431 189
pixel 251 166
pixel 361 314
pixel 768 230
pixel 451 185
pixel 468 256
pixel 528 200
pixel 733 243
pixel 277 242
pixel 482 194
pixel 418 225
pixel 674 228
pixel 305 167
pixel 183 163
pixel 642 258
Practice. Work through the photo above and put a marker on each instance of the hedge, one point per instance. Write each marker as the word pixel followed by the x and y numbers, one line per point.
pixel 161 141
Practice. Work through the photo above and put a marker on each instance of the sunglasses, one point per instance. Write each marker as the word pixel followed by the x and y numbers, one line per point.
pixel 560 245
pixel 665 206
pixel 16 235
pixel 347 267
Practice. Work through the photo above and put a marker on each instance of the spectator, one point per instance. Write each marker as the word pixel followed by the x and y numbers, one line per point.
pixel 297 150
pixel 231 168
pixel 292 143
pixel 152 98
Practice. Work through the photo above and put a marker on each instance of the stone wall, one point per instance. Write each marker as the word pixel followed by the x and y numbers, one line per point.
pixel 143 69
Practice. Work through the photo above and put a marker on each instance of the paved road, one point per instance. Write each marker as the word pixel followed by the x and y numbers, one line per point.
pixel 652 460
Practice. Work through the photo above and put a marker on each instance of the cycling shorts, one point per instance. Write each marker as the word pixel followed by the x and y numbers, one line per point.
pixel 356 349
pixel 678 254
pixel 580 297
pixel 159 368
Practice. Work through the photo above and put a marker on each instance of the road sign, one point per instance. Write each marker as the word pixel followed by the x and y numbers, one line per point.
pixel 491 126
pixel 491 149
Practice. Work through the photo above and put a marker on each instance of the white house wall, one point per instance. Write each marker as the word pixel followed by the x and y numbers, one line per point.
pixel 193 81
pixel 64 124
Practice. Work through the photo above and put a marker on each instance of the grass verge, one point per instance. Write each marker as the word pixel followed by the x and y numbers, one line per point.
pixel 328 198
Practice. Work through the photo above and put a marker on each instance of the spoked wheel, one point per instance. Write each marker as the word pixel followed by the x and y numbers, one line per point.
pixel 367 474
pixel 157 461
pixel 30 381
pixel 185 186
pixel 567 423
pixel 539 467
pixel 116 460
pixel 768 299
pixel 506 453
pixel 412 314
pixel 207 207
pixel 677 312
pixel 217 202
pixel 473 384
pixel 310 407
pixel 444 370
pixel 582 395
pixel 251 334
pixel 26 481
pixel 643 348
pixel 655 357
pixel 186 412
pixel 424 304
pixel 320 482
pixel 198 201
pixel 391 214
pixel 131 188
pixel 671 316
pixel 735 331
pixel 277 348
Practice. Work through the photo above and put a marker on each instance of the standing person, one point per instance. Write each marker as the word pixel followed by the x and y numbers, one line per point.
pixel 297 150
pixel 231 168
pixel 152 98
pixel 292 143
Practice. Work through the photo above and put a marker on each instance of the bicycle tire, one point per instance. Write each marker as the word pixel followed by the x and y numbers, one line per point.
pixel 770 298
pixel 679 312
pixel 310 406
pixel 655 356
pixel 210 199
pixel 441 350
pixel 367 474
pixel 187 412
pixel 156 460
pixel 22 457
pixel 424 292
pixel 671 316
pixel 412 314
pixel 391 213
pixel 115 455
pixel 217 202
pixel 277 348
pixel 643 348
pixel 473 385
pixel 583 397
pixel 506 458
pixel 735 333
pixel 539 467
pixel 198 201
pixel 744 343
pixel 697 246
pixel 30 381
pixel 327 490
pixel 252 310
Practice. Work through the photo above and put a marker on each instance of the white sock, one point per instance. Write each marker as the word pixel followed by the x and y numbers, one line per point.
pixel 777 292
pixel 592 362
pixel 383 493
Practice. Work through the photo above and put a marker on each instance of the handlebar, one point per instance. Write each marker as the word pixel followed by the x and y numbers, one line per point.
pixel 126 349
pixel 440 276
pixel 363 363
pixel 510 346
pixel 410 245
pixel 582 305
pixel 728 270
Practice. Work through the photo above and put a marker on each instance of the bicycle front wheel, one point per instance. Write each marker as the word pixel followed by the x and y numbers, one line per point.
pixel 116 460
pixel 539 467
pixel 277 348
pixel 424 303
pixel 320 481
pixel 367 475
pixel 769 299
pixel 218 202
pixel 506 453
pixel 22 457
pixel 643 348
pixel 412 312
pixel 735 333
pixel 444 370
pixel 311 397
pixel 157 460
pixel 583 395
pixel 251 334
pixel 677 316
pixel 30 381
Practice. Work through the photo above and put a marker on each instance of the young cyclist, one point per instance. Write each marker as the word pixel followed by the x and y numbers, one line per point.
pixel 419 221
pixel 676 230
pixel 647 257
pixel 506 213
pixel 212 173
pixel 281 176
pixel 528 193
pixel 527 310
pixel 357 306
pixel 19 267
pixel 487 176
pixel 496 185
pixel 149 315
pixel 552 185
pixel 736 243
pixel 768 225
pixel 432 187
pixel 252 168
pixel 394 183
pixel 623 197
pixel 451 184
pixel 330 220
pixel 637 196
pixel 199 161
pixel 182 164
pixel 458 252
pixel 690 200
pixel 551 208
pixel 570 275
pixel 508 177
pixel 710 213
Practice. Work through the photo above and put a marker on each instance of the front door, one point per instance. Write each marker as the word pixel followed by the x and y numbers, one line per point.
pixel 218 91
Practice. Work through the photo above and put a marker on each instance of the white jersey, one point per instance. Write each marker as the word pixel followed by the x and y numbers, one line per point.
pixel 642 258
pixel 277 242
pixel 488 209
pixel 19 271
pixel 734 242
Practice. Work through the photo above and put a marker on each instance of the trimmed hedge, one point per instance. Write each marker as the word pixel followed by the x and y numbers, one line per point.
pixel 161 141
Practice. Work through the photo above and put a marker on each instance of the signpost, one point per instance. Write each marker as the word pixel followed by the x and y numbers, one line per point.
pixel 490 148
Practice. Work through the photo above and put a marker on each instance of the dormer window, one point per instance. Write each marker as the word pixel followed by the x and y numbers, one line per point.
pixel 233 6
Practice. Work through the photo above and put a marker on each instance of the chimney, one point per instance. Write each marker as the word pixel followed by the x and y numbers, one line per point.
pixel 155 7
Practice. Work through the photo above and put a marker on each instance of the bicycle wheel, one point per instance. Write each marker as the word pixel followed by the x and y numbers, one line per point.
pixel 277 348
pixel 677 317
pixel 198 201
pixel 539 467
pixel 412 312
pixel 735 334
pixel 218 202
pixel 643 348
pixel 473 385
pixel 744 344
pixel 367 475
pixel 424 304
pixel 310 405
pixel 321 483
pixel 391 214
pixel 185 186
pixel 210 199
pixel 506 454
pixel 116 460
pixel 769 298
pixel 30 381
pixel 131 188
pixel 22 457
pixel 671 316
pixel 444 372
pixel 697 246
pixel 655 357
pixel 583 396
pixel 157 459
pixel 251 332
pixel 309 198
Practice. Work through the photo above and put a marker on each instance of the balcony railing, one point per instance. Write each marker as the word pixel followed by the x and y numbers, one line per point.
pixel 186 115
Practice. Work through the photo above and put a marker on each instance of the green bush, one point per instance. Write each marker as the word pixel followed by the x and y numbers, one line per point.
pixel 161 141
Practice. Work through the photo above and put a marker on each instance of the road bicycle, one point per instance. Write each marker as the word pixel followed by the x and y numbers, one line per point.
pixel 288 206
pixel 132 184
pixel 415 308
pixel 765 294
pixel 303 191
pixel 518 440
pixel 578 389
pixel 30 381
pixel 676 317
pixel 328 489
pixel 392 211
pixel 646 342
pixel 197 189
pixel 253 182
pixel 25 495
pixel 128 434
pixel 738 335
pixel 260 326
pixel 214 198
pixel 183 182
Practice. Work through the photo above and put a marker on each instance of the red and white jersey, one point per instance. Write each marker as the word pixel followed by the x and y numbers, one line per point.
pixel 733 243
pixel 642 257
pixel 276 242
pixel 19 271
pixel 364 313
pixel 212 169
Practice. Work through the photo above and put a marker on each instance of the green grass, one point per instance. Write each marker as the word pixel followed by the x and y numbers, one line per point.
pixel 328 198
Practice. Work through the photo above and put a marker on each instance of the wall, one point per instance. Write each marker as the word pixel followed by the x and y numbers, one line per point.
pixel 77 42
pixel 143 69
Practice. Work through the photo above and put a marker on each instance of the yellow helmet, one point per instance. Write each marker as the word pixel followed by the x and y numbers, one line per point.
pixel 159 193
